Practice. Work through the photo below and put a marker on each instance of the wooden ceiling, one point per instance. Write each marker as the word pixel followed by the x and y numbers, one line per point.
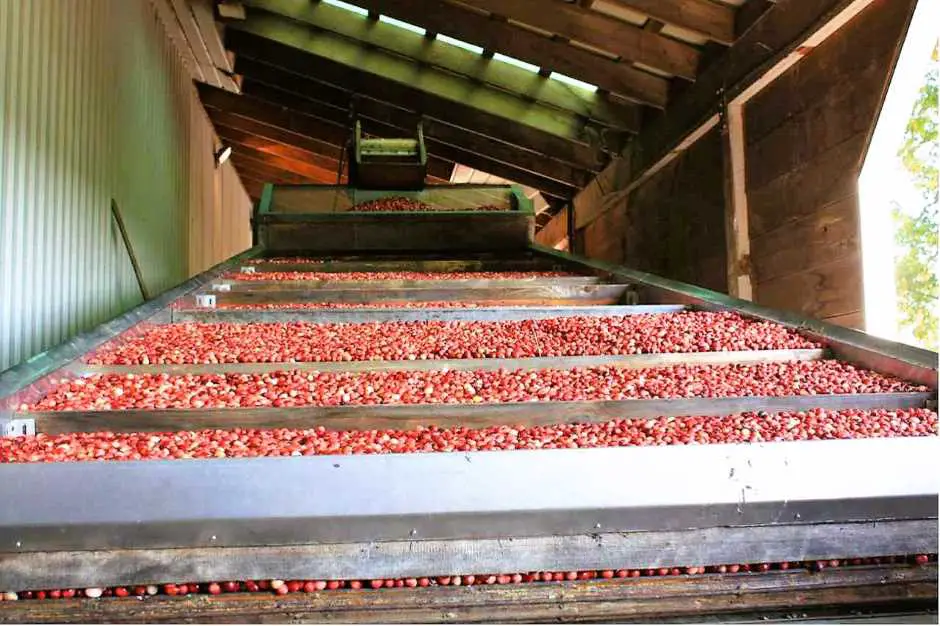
pixel 301 69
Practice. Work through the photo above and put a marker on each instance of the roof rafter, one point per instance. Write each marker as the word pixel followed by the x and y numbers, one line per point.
pixel 599 31
pixel 296 45
pixel 509 78
pixel 411 98
pixel 268 108
pixel 455 153
pixel 262 170
pixel 472 27
pixel 402 119
pixel 304 169
pixel 702 17
pixel 235 137
pixel 266 118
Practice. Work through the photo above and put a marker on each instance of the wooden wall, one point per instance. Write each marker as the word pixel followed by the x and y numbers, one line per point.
pixel 675 220
pixel 807 134
pixel 671 225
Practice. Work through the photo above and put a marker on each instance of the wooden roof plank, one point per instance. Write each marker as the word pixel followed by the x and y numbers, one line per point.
pixel 504 76
pixel 596 29
pixel 703 17
pixel 237 137
pixel 456 112
pixel 442 155
pixel 300 168
pixel 454 153
pixel 472 27
pixel 261 170
pixel 404 120
pixel 259 112
pixel 257 128
pixel 299 44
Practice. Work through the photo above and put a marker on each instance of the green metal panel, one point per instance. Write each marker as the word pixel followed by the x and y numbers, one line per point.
pixel 96 105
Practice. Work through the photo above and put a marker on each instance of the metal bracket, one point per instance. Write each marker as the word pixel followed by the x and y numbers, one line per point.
pixel 205 300
pixel 15 427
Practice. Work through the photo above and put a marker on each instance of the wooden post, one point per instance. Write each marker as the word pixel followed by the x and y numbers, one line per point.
pixel 737 237
pixel 571 226
pixel 116 213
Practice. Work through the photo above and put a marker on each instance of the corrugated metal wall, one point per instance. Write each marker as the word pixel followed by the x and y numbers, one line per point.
pixel 95 106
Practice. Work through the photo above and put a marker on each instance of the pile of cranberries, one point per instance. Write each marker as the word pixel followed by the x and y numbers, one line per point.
pixel 688 331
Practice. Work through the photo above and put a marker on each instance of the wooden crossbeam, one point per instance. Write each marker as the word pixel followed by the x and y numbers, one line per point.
pixel 458 21
pixel 398 118
pixel 237 137
pixel 259 129
pixel 438 168
pixel 264 172
pixel 702 17
pixel 457 61
pixel 769 40
pixel 293 46
pixel 454 153
pixel 600 31
pixel 267 114
pixel 303 170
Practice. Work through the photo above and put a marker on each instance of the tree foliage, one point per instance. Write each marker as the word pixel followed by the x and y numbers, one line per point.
pixel 916 232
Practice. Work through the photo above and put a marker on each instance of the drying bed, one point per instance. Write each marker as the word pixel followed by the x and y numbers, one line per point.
pixel 814 424
pixel 693 331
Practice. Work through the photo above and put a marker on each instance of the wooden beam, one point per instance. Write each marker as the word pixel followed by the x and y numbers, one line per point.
pixel 599 31
pixel 770 42
pixel 286 151
pixel 712 20
pixel 211 33
pixel 454 153
pixel 193 37
pixel 301 169
pixel 578 154
pixel 472 27
pixel 266 173
pixel 174 30
pixel 405 121
pixel 748 13
pixel 268 114
pixel 737 233
pixel 456 61
pixel 273 133
pixel 273 115
pixel 295 47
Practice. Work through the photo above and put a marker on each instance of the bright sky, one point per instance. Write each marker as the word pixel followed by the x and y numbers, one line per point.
pixel 884 179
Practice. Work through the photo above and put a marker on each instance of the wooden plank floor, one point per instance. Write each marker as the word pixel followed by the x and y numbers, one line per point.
pixel 692 598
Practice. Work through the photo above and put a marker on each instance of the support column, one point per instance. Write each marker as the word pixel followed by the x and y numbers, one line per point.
pixel 737 237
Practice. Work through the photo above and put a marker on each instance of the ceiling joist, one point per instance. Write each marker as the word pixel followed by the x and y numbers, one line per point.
pixel 236 137
pixel 296 46
pixel 457 21
pixel 600 31
pixel 375 113
pixel 517 81
pixel 324 96
pixel 257 106
pixel 510 78
pixel 279 124
pixel 412 98
pixel 708 19
pixel 304 169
